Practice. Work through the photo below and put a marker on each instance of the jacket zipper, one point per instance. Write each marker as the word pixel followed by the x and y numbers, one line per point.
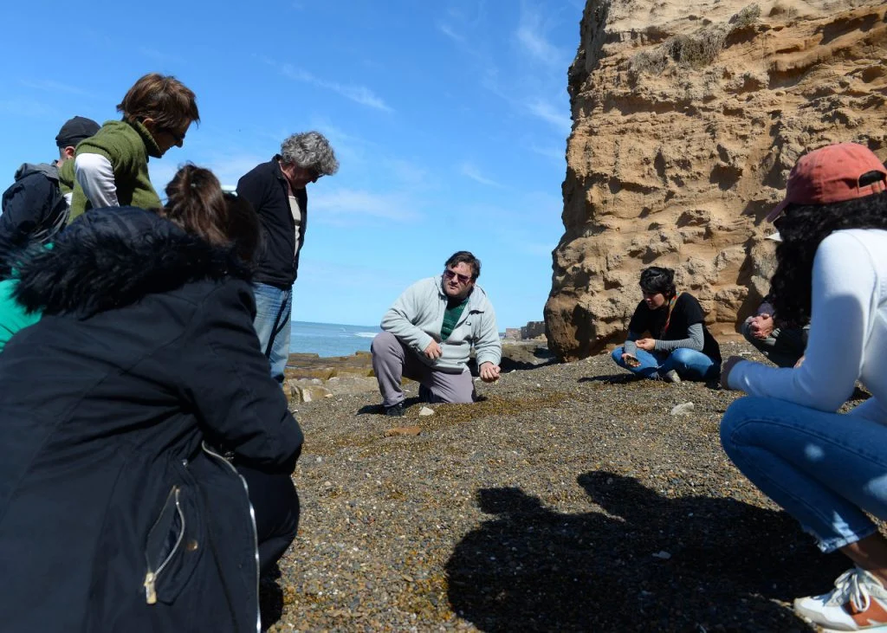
pixel 152 575
pixel 252 518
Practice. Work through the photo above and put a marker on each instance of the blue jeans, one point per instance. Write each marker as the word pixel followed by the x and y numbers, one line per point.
pixel 823 468
pixel 688 363
pixel 273 309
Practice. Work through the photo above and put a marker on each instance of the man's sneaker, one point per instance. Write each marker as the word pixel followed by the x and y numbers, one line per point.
pixel 671 376
pixel 395 410
pixel 857 603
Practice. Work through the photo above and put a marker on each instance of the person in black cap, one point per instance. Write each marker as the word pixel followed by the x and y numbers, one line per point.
pixel 37 205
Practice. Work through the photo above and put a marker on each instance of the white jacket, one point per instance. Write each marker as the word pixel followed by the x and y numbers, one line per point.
pixel 848 331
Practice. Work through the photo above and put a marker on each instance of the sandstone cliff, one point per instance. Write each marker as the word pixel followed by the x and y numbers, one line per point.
pixel 687 117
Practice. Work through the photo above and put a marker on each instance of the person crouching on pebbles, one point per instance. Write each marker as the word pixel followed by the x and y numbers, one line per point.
pixel 679 345
pixel 827 469
pixel 429 333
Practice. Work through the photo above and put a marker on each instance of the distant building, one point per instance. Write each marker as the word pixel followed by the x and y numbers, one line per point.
pixel 533 329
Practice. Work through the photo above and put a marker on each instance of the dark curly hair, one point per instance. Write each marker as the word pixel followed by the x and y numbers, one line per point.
pixel 464 257
pixel 802 228
pixel 657 279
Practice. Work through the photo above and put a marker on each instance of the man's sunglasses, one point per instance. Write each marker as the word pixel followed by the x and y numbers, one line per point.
pixel 449 274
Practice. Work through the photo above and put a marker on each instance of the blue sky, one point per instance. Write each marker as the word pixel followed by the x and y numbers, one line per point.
pixel 449 120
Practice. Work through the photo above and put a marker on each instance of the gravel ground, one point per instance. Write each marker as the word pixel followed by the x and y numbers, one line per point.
pixel 568 499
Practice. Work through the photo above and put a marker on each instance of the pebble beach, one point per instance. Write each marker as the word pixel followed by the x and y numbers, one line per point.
pixel 569 498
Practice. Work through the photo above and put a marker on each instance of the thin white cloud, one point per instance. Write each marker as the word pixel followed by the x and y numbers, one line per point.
pixel 531 37
pixel 548 112
pixel 27 108
pixel 160 56
pixel 407 172
pixel 229 170
pixel 53 86
pixel 161 174
pixel 552 152
pixel 470 171
pixel 348 206
pixel 356 93
pixel 460 29
pixel 352 151
pixel 521 87
pixel 447 30
pixel 538 249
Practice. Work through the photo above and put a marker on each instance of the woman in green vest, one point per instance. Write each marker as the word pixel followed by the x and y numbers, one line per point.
pixel 111 168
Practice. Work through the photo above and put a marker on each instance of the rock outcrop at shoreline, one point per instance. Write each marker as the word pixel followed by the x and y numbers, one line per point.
pixel 687 120
pixel 310 377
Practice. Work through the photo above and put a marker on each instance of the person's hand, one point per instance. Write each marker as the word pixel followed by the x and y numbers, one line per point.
pixel 726 368
pixel 489 372
pixel 646 344
pixel 761 326
pixel 631 361
pixel 800 361
pixel 433 351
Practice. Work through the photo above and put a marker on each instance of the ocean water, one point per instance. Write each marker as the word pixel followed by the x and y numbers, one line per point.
pixel 331 339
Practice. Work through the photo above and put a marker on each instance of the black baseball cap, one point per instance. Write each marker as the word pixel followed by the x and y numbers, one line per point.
pixel 75 130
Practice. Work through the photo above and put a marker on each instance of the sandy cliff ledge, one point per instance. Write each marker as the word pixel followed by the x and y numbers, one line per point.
pixel 687 117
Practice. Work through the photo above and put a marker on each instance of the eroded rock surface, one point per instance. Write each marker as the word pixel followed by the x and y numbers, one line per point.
pixel 687 120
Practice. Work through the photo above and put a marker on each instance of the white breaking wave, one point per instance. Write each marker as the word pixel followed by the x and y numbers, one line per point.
pixel 366 334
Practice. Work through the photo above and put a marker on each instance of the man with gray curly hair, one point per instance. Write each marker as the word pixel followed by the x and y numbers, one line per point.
pixel 277 191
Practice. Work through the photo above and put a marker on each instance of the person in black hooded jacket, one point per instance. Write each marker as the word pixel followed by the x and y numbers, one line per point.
pixel 125 414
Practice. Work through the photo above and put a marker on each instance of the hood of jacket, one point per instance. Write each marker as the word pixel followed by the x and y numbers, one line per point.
pixel 113 257
pixel 26 169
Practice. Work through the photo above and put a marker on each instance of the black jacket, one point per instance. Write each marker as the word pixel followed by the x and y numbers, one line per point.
pixel 266 189
pixel 115 512
pixel 34 208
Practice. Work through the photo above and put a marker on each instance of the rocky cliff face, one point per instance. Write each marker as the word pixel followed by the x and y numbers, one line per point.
pixel 687 117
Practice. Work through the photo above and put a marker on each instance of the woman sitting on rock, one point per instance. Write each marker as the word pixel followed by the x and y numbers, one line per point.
pixel 126 413
pixel 828 470
pixel 679 345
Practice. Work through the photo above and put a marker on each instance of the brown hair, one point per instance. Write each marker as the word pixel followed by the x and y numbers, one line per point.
pixel 464 257
pixel 162 98
pixel 196 203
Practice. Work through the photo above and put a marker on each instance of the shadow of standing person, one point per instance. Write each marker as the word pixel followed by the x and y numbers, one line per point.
pixel 642 562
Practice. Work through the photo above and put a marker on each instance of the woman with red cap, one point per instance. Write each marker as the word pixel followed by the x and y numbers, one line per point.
pixel 828 470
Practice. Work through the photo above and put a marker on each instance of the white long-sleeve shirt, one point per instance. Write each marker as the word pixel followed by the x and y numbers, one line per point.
pixel 848 331
pixel 95 174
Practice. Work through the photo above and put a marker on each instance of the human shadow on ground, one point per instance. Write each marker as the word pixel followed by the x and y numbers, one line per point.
pixel 378 409
pixel 613 379
pixel 508 364
pixel 644 563
pixel 620 379
pixel 270 603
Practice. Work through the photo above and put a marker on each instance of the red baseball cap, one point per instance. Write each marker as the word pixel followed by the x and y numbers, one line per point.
pixel 831 174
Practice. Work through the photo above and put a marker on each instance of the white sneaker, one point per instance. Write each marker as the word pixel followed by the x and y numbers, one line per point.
pixel 857 603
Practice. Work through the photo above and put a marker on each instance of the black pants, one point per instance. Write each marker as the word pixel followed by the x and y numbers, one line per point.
pixel 276 505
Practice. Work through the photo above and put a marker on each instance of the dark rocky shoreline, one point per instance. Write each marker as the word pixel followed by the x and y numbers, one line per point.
pixel 569 498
